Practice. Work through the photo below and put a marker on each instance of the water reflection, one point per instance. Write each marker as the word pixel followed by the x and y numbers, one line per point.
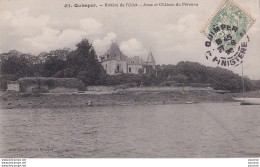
pixel 197 130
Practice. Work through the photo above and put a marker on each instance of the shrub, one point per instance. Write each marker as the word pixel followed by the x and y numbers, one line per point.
pixel 168 83
pixel 66 73
pixel 3 83
pixel 256 84
pixel 122 79
pixel 4 80
pixel 50 83
pixel 38 89
pixel 127 85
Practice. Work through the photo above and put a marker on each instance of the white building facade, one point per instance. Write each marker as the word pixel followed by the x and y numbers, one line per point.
pixel 115 62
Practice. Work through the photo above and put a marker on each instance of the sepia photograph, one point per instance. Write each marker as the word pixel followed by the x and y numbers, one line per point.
pixel 129 79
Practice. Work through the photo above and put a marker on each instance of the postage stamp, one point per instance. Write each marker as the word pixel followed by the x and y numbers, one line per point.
pixel 227 26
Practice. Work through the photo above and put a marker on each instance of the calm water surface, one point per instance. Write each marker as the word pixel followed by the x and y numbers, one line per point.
pixel 195 130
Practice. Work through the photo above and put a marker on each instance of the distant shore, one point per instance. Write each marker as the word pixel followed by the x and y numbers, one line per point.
pixel 130 96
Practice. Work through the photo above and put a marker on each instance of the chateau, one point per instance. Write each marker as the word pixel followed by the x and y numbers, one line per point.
pixel 115 62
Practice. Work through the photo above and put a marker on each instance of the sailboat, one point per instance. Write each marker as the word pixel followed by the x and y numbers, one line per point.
pixel 246 100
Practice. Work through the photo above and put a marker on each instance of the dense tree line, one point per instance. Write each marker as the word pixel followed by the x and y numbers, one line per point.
pixel 82 63
pixel 187 74
pixel 218 78
pixel 256 84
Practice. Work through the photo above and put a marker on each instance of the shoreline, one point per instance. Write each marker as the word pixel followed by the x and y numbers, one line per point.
pixel 128 97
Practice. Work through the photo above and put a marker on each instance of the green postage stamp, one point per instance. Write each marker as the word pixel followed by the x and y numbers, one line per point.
pixel 227 26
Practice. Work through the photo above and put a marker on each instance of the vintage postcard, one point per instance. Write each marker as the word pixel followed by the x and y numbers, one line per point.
pixel 129 79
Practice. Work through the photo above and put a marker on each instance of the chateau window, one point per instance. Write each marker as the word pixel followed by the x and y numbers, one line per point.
pixel 118 68
pixel 106 66
pixel 129 70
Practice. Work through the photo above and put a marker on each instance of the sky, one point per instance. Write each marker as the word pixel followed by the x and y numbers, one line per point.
pixel 171 33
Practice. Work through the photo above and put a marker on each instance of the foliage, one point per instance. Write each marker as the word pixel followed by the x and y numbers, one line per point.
pixel 82 63
pixel 16 64
pixel 50 83
pixel 218 78
pixel 85 64
pixel 3 83
pixel 66 73
pixel 52 65
pixel 256 84
pixel 123 79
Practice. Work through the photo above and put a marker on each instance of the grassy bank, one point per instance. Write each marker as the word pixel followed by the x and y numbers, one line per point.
pixel 121 97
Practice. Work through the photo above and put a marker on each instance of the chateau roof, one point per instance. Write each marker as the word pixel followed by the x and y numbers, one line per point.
pixel 114 52
pixel 135 60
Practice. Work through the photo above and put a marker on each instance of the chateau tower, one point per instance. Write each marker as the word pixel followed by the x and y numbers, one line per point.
pixel 150 60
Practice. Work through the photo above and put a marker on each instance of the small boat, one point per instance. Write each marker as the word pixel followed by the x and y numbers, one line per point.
pixel 248 101
pixel 191 102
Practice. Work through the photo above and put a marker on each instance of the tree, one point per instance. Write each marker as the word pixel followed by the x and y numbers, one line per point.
pixel 85 64
pixel 150 70
pixel 15 64
pixel 52 65
pixel 53 61
pixel 60 53
pixel 66 73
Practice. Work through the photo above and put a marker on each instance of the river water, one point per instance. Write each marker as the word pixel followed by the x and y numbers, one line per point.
pixel 176 131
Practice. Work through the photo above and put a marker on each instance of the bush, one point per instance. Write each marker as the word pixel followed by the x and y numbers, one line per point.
pixel 136 79
pixel 38 89
pixel 256 84
pixel 150 80
pixel 196 75
pixel 127 85
pixel 122 79
pixel 3 83
pixel 4 80
pixel 50 83
pixel 66 73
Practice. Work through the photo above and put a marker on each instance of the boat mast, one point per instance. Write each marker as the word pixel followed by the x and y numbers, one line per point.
pixel 243 83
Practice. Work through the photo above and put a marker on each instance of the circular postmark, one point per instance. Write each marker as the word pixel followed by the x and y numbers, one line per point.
pixel 223 47
pixel 226 34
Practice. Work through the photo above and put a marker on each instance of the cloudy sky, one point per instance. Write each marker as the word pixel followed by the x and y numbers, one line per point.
pixel 33 26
